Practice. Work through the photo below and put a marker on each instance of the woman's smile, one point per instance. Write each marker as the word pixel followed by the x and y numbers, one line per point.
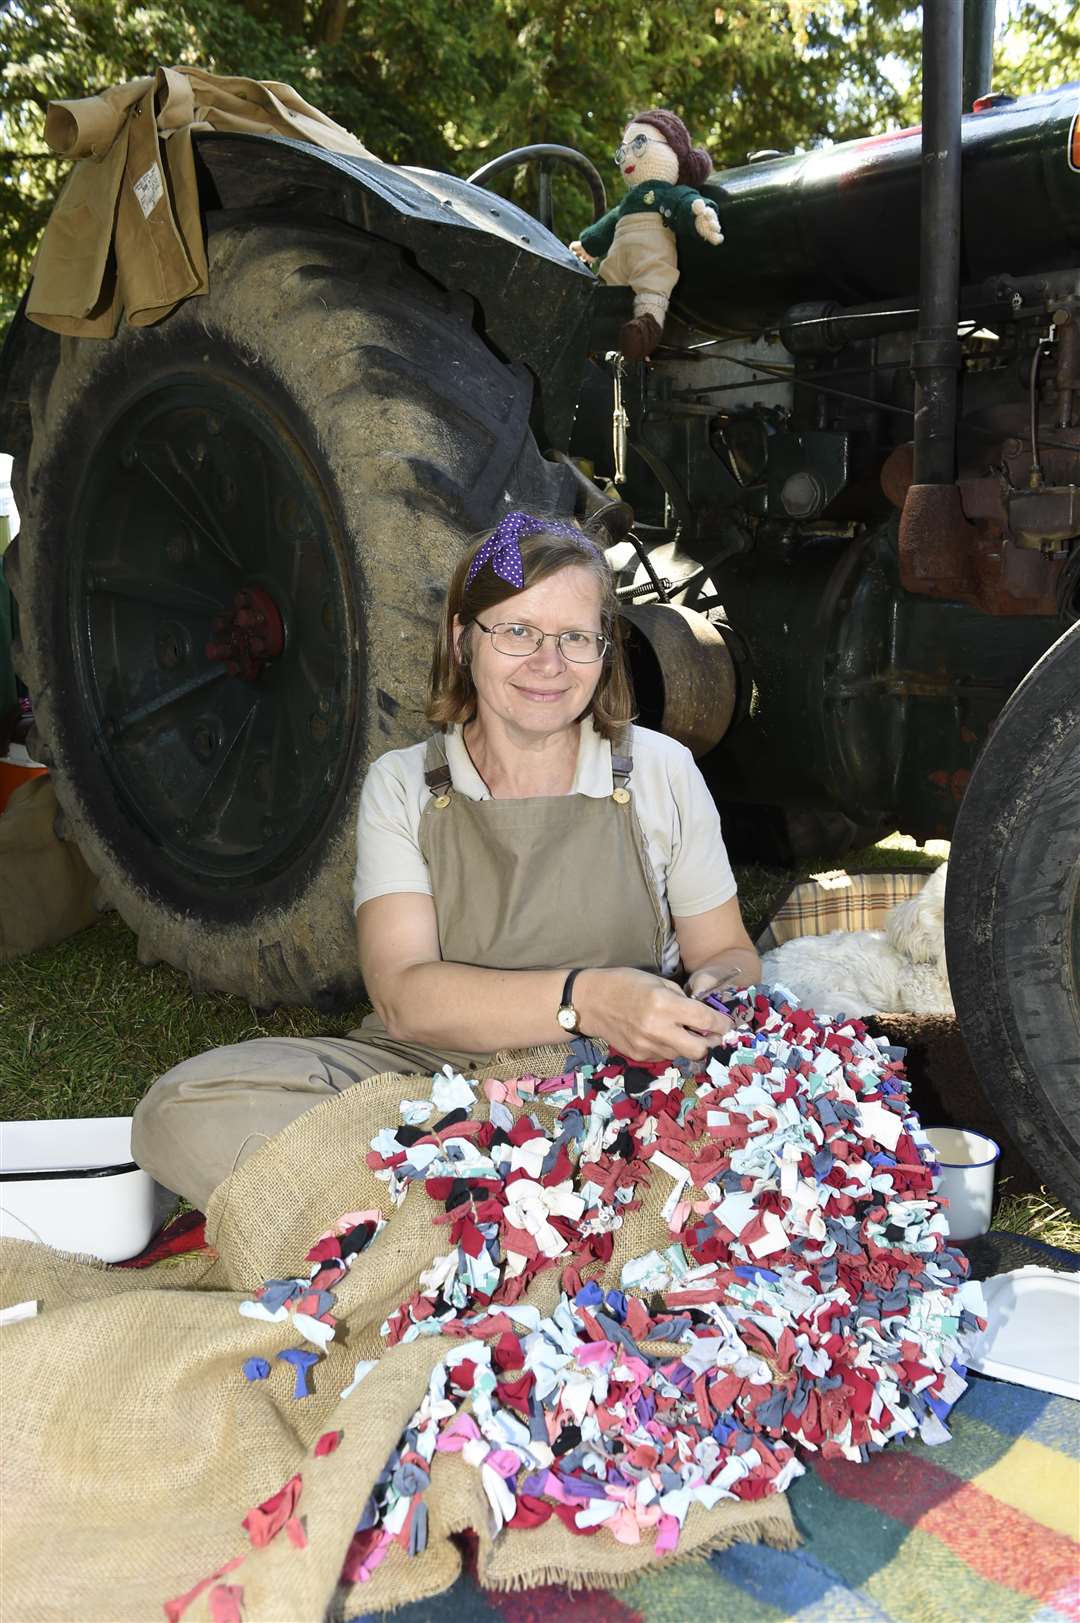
pixel 540 695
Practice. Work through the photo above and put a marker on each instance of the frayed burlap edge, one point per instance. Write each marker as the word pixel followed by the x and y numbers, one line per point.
pixel 778 1530
pixel 515 1561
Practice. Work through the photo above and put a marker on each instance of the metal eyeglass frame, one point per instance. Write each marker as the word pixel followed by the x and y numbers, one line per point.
pixel 635 147
pixel 556 638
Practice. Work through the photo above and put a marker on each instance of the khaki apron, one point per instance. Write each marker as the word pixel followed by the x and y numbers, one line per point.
pixel 551 882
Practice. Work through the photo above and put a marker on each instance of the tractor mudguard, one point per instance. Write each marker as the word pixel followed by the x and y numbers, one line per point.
pixel 534 296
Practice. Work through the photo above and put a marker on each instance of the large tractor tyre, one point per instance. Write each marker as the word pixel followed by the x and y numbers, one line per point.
pixel 1012 917
pixel 238 526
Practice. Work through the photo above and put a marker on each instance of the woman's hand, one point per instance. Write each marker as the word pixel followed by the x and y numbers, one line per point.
pixel 582 254
pixel 644 1016
pixel 710 979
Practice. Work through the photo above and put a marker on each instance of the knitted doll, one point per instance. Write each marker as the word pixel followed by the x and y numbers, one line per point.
pixel 638 238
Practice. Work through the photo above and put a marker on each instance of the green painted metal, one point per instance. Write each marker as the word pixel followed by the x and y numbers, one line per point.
pixel 844 223
pixel 867 698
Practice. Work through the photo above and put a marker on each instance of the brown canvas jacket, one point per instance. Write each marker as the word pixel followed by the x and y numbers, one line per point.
pixel 125 236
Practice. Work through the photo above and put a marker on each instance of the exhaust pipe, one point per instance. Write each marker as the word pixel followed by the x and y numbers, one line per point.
pixel 935 541
pixel 935 354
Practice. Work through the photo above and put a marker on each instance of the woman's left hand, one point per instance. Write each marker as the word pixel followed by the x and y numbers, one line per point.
pixel 704 981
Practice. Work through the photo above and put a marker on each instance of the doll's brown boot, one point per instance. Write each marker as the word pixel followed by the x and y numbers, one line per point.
pixel 638 338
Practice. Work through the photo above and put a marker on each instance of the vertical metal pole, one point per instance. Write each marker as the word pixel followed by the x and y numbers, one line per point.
pixel 978 50
pixel 935 354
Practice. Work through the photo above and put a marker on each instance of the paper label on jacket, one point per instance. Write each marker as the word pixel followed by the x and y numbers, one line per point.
pixel 149 189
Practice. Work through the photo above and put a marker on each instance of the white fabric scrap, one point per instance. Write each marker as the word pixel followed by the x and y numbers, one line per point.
pixel 416 1111
pixel 364 1367
pixel 775 1237
pixel 878 1122
pixel 450 1091
pixel 256 1310
pixel 18 1311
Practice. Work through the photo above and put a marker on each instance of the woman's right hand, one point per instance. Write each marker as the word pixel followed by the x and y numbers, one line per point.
pixel 644 1016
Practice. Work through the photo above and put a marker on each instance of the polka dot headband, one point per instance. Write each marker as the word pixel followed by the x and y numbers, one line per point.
pixel 502 550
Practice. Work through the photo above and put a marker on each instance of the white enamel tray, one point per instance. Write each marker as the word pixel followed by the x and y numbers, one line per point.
pixel 1033 1331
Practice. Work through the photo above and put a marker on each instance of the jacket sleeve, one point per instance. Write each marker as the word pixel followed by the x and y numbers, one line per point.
pixel 597 239
pixel 683 221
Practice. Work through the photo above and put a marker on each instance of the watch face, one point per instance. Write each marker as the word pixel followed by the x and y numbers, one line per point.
pixel 567 1018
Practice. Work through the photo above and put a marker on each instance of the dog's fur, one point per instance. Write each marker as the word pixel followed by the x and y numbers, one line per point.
pixel 898 970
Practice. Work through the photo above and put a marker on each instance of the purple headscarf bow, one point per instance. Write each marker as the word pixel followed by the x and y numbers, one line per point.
pixel 502 550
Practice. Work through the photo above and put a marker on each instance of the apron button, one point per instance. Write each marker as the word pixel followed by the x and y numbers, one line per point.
pixel 620 796
pixel 441 802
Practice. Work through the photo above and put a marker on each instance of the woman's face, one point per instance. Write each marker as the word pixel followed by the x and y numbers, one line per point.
pixel 540 693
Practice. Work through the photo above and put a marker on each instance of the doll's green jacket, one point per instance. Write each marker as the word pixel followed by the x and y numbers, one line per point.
pixel 672 203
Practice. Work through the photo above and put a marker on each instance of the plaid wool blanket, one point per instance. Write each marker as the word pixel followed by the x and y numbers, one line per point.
pixel 984 1527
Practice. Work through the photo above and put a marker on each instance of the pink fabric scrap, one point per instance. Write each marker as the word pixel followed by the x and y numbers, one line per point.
pixel 225 1601
pixel 175 1609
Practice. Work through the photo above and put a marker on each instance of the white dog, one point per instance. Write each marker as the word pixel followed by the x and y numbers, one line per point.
pixel 898 970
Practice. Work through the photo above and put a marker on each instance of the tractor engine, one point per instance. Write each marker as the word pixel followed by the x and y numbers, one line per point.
pixel 874 623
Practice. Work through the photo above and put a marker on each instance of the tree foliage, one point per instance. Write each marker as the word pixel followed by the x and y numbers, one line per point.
pixel 446 84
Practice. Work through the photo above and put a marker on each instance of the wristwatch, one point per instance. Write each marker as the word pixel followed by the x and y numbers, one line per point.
pixel 567 1015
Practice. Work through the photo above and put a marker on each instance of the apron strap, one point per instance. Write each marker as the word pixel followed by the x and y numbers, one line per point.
pixel 437 769
pixel 622 760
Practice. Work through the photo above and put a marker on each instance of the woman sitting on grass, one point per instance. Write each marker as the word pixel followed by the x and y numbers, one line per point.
pixel 538 869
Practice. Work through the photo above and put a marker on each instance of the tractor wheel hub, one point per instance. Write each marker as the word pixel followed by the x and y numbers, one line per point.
pixel 249 635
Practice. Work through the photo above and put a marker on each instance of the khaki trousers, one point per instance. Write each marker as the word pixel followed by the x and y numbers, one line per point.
pixel 643 256
pixel 204 1118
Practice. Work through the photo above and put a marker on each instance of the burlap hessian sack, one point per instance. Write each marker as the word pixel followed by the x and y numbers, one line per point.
pixel 46 889
pixel 133 1446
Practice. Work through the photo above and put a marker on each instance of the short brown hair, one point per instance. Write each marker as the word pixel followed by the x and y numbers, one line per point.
pixel 452 696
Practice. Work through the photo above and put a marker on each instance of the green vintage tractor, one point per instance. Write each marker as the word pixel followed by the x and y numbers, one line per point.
pixel 843 502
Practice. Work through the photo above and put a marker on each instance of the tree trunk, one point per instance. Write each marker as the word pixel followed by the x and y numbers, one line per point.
pixel 330 24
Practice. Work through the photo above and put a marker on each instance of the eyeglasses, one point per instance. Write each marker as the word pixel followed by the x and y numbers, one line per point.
pixel 579 647
pixel 636 147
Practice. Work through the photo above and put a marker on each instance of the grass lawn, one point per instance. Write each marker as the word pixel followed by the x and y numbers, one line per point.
pixel 85 1028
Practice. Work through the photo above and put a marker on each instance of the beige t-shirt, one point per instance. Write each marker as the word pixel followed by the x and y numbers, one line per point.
pixel 677 814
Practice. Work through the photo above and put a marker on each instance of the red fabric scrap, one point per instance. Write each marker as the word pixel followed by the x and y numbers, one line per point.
pixel 266 1520
pixel 531 1512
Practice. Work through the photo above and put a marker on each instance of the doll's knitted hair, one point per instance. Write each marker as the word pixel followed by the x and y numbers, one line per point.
pixel 694 162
